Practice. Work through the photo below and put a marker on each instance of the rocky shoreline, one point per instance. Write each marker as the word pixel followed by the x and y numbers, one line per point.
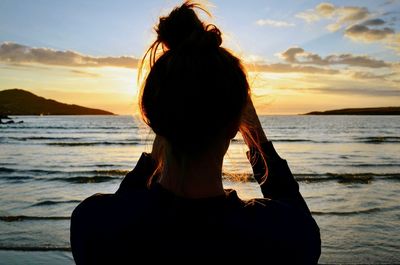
pixel 8 120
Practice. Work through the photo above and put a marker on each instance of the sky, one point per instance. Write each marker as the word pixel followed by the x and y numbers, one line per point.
pixel 300 56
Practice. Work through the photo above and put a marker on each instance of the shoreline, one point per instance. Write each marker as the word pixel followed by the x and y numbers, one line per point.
pixel 359 111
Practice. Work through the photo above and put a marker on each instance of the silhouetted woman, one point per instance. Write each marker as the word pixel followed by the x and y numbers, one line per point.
pixel 172 206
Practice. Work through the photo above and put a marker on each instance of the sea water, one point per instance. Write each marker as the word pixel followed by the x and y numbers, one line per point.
pixel 348 168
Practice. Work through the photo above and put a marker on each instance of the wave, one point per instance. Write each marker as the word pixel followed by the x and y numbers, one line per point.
pixel 379 139
pixel 103 165
pixel 369 139
pixel 377 165
pixel 7 163
pixel 112 172
pixel 49 202
pixel 312 177
pixel 77 141
pixel 17 179
pixel 347 177
pixel 83 180
pixel 6 170
pixel 352 177
pixel 116 172
pixel 19 218
pixel 40 138
pixel 367 211
pixel 282 140
pixel 295 140
pixel 116 128
pixel 30 171
pixel 94 143
pixel 35 248
pixel 248 177
pixel 238 177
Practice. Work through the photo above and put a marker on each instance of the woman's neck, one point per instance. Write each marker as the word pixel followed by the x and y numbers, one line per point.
pixel 199 177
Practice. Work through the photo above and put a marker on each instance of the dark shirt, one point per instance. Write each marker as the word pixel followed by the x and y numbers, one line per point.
pixel 141 224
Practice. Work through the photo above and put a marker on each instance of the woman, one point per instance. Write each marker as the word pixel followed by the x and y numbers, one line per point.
pixel 172 205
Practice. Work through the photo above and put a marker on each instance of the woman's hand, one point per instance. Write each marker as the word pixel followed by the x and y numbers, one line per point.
pixel 251 125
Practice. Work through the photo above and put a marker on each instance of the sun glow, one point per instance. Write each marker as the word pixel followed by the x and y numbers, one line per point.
pixel 110 88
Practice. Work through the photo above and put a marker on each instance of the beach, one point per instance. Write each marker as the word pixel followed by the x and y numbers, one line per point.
pixel 347 167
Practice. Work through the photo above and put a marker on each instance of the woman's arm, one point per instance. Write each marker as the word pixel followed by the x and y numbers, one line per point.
pixel 279 183
pixel 139 176
pixel 146 166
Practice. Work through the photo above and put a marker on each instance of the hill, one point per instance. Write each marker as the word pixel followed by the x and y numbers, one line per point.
pixel 359 111
pixel 22 102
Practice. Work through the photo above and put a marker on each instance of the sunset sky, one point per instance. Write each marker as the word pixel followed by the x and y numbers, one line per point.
pixel 301 55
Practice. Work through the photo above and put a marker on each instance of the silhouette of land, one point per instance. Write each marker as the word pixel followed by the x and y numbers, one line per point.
pixel 22 102
pixel 359 111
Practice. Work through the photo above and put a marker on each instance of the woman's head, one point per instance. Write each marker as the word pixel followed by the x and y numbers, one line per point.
pixel 195 91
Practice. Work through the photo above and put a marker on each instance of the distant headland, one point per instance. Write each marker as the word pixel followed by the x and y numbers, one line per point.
pixel 359 111
pixel 22 102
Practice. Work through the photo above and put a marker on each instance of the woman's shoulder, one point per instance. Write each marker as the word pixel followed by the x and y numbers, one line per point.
pixel 270 213
pixel 85 222
pixel 104 204
pixel 277 210
pixel 278 221
pixel 91 206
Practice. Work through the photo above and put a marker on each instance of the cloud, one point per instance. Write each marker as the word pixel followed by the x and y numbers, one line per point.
pixel 342 16
pixel 290 54
pixel 355 60
pixel 13 53
pixel 84 73
pixel 371 76
pixel 389 2
pixel 366 34
pixel 373 22
pixel 300 56
pixel 325 9
pixel 274 23
pixel 309 16
pixel 394 43
pixel 289 68
pixel 359 23
pixel 350 14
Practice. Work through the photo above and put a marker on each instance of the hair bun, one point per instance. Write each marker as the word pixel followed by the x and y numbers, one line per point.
pixel 212 36
pixel 182 25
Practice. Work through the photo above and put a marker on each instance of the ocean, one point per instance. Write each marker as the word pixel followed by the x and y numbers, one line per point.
pixel 348 168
